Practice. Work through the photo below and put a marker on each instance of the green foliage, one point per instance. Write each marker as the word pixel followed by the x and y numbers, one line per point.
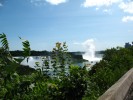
pixel 61 60
pixel 68 82
pixel 26 47
pixel 115 63
pixel 4 42
pixel 70 85
pixel 7 63
pixel 4 49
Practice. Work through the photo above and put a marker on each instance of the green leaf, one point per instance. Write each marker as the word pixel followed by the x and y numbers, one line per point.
pixel 4 42
pixel 26 47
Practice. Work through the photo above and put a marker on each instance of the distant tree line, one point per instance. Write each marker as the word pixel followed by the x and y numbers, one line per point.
pixel 76 56
pixel 33 53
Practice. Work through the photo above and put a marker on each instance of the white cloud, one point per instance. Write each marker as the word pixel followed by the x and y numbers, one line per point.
pixel 99 3
pixel 127 7
pixel 56 2
pixel 32 1
pixel 97 8
pixel 108 11
pixel 1 4
pixel 127 18
pixel 38 2
pixel 43 2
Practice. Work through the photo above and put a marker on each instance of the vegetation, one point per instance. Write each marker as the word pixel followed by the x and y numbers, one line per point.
pixel 67 81
pixel 115 63
pixel 39 85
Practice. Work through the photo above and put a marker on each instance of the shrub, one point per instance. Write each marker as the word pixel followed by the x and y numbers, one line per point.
pixel 115 63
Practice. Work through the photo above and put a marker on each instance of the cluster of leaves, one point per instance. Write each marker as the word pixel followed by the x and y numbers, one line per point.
pixel 115 63
pixel 67 82
pixel 61 60
pixel 38 85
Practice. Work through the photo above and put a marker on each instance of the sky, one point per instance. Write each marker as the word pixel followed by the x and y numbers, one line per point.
pixel 108 23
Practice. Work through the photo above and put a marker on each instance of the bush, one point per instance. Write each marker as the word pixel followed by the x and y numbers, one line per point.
pixel 115 63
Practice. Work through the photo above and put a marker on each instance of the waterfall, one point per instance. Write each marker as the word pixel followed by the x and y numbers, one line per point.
pixel 90 50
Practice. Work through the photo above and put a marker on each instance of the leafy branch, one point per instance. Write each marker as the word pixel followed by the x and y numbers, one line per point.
pixel 5 46
pixel 4 41
pixel 26 48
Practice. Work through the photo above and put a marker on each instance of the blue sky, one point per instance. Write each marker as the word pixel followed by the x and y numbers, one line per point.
pixel 109 23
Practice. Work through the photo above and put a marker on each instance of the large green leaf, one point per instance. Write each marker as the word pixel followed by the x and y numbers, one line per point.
pixel 4 41
pixel 26 48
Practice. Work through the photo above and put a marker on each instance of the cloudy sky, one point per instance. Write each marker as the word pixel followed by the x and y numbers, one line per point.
pixel 109 23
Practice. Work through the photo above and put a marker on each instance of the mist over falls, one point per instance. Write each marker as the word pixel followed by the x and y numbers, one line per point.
pixel 90 51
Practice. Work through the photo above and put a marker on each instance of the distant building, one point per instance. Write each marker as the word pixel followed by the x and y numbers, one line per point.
pixel 128 45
